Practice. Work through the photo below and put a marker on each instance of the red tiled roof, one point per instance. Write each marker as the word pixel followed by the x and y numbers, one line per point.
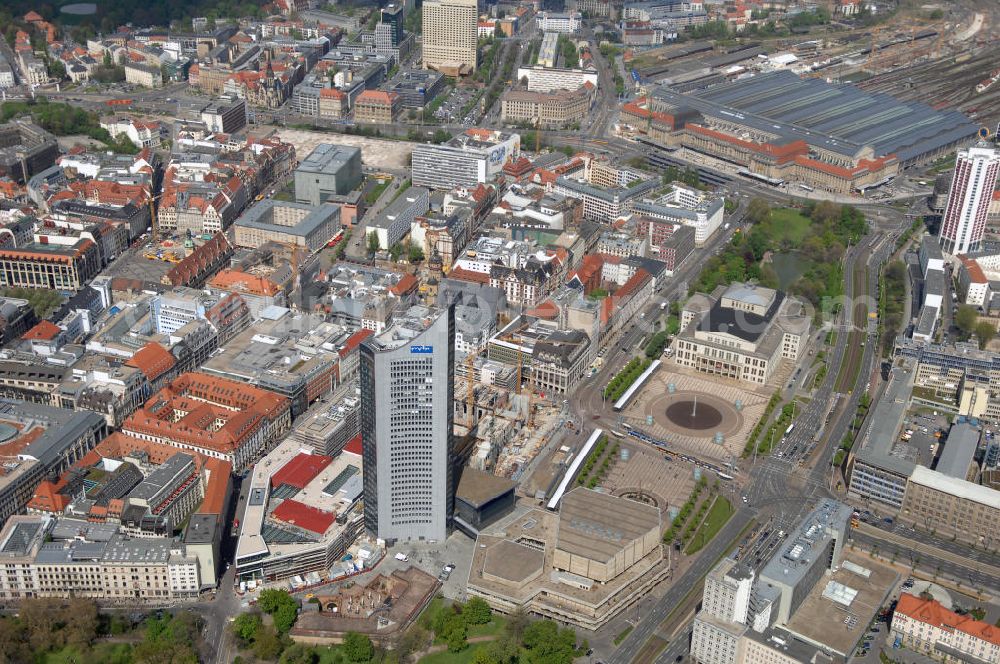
pixel 44 331
pixel 301 470
pixel 333 93
pixel 303 516
pixel 217 487
pixel 244 283
pixel 153 360
pixel 469 275
pixel 976 274
pixel 931 612
pixel 48 499
pixel 354 341
pixel 404 285
pixel 377 97
pixel 545 309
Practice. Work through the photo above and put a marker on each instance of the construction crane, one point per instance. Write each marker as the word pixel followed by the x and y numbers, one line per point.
pixel 470 393
pixel 296 277
pixel 154 226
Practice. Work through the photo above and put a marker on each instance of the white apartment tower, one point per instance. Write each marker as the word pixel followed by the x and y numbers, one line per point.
pixel 727 591
pixel 972 187
pixel 450 34
pixel 722 621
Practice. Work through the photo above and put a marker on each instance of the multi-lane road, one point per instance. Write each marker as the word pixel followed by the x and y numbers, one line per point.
pixel 777 491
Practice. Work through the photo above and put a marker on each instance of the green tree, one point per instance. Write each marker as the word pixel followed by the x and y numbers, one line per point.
pixel 395 251
pixel 758 211
pixel 373 243
pixel 358 647
pixel 246 625
pixel 454 631
pixel 415 254
pixel 477 611
pixel 267 645
pixel 547 644
pixel 517 622
pixel 985 331
pixel 299 653
pixel 281 606
pixel 57 69
pixel 285 616
pixel 501 651
pixel 270 599
pixel 966 318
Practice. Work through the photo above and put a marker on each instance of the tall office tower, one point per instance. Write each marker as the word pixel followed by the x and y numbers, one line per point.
pixel 972 186
pixel 392 17
pixel 407 385
pixel 450 30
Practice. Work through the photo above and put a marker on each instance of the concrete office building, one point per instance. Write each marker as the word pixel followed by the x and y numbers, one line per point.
pixel 329 170
pixel 808 553
pixel 227 116
pixel 25 149
pixel 875 472
pixel 106 565
pixel 295 224
pixel 972 187
pixel 407 389
pixel 473 157
pixel 548 79
pixel 546 109
pixel 559 22
pixel 394 222
pixel 951 505
pixel 417 87
pixel 450 35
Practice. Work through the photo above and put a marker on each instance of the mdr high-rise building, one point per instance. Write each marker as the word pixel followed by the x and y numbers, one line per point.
pixel 450 35
pixel 972 185
pixel 407 385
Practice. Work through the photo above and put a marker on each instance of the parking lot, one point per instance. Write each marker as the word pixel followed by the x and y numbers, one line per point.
pixel 450 112
pixel 432 557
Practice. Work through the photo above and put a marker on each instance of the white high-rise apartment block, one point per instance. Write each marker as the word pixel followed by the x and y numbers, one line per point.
pixel 722 621
pixel 450 34
pixel 972 186
pixel 727 591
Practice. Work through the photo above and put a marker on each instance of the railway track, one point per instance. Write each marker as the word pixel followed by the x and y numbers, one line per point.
pixel 944 83
pixel 851 365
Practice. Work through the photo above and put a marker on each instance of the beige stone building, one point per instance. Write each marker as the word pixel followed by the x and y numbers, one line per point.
pixel 927 627
pixel 935 501
pixel 450 35
pixel 594 559
pixel 377 107
pixel 145 75
pixel 546 109
pixel 333 104
pixel 741 332
pixel 38 562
